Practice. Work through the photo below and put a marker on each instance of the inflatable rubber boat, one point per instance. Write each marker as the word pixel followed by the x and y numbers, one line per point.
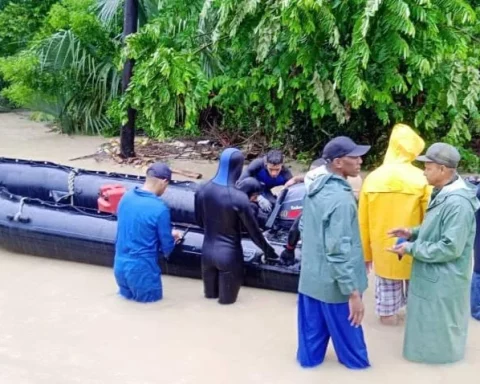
pixel 51 210
pixel 53 182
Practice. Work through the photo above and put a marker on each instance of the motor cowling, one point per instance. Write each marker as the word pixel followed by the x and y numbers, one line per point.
pixel 109 197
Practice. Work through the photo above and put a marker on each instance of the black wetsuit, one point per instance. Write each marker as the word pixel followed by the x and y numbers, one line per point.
pixel 251 186
pixel 222 211
pixel 288 255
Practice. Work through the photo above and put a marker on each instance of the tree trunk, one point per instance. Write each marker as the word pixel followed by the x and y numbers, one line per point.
pixel 127 134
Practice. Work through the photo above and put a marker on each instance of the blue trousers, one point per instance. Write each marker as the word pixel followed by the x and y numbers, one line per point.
pixel 317 323
pixel 138 279
pixel 475 296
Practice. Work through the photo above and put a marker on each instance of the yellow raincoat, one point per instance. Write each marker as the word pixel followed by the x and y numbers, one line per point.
pixel 394 195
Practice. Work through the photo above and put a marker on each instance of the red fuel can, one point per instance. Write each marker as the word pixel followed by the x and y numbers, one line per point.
pixel 109 197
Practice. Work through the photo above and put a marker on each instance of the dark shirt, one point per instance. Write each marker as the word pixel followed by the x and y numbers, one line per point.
pixel 258 169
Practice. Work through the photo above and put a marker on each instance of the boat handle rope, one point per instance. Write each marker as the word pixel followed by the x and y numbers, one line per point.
pixel 71 184
pixel 18 216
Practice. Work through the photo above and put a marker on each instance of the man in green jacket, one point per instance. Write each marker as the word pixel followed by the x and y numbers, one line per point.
pixel 333 275
pixel 441 247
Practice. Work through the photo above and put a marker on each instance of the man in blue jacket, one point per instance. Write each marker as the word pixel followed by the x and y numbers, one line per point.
pixel 333 275
pixel 143 230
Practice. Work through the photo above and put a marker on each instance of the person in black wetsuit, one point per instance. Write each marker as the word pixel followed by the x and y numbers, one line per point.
pixel 222 210
pixel 270 172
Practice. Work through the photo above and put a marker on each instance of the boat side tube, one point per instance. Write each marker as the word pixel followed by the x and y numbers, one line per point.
pixel 58 183
pixel 60 231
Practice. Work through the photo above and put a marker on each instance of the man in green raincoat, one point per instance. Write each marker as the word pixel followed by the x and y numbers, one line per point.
pixel 441 247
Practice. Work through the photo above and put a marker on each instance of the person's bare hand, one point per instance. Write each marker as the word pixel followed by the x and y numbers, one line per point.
pixel 357 309
pixel 404 233
pixel 289 183
pixel 400 249
pixel 177 235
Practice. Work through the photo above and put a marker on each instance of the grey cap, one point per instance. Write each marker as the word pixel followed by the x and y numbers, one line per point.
pixel 160 171
pixel 443 154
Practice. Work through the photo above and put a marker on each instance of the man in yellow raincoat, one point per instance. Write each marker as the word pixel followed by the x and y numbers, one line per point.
pixel 441 247
pixel 394 195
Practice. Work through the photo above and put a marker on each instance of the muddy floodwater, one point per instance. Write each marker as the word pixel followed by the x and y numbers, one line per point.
pixel 62 322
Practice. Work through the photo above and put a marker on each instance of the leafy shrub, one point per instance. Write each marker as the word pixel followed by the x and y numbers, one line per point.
pixel 68 69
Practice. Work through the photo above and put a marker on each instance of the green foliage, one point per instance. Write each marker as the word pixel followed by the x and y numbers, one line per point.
pixel 404 60
pixel 297 71
pixel 19 22
pixel 23 72
pixel 169 87
pixel 110 11
pixel 68 70
pixel 417 66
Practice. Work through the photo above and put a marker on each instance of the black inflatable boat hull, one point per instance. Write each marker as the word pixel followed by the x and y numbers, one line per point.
pixel 63 232
pixel 53 182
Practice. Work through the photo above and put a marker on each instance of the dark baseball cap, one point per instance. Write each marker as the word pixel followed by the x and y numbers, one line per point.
pixel 443 154
pixel 160 171
pixel 342 146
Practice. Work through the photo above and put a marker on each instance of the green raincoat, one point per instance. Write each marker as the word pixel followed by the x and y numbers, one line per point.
pixel 438 296
pixel 332 264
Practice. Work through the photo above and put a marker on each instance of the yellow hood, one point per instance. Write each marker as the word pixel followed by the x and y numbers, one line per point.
pixel 404 145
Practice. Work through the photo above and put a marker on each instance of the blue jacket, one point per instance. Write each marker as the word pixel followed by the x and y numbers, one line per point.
pixel 144 227
pixel 332 265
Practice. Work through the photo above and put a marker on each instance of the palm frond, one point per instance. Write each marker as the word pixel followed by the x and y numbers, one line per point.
pixel 149 9
pixel 108 9
pixel 95 82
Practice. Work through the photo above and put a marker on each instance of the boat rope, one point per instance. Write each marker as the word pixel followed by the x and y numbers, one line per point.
pixel 71 184
pixel 18 215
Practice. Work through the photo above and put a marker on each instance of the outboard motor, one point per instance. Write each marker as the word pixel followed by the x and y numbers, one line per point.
pixel 290 207
pixel 287 209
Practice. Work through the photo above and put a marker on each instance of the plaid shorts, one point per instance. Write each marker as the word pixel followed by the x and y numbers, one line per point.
pixel 390 295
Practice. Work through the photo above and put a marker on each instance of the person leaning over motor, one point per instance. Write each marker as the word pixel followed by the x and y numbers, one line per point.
pixel 271 172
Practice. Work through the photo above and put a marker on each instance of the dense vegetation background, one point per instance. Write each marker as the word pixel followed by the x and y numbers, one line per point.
pixel 295 72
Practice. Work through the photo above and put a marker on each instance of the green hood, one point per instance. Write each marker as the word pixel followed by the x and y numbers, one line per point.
pixel 332 265
pixel 459 188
